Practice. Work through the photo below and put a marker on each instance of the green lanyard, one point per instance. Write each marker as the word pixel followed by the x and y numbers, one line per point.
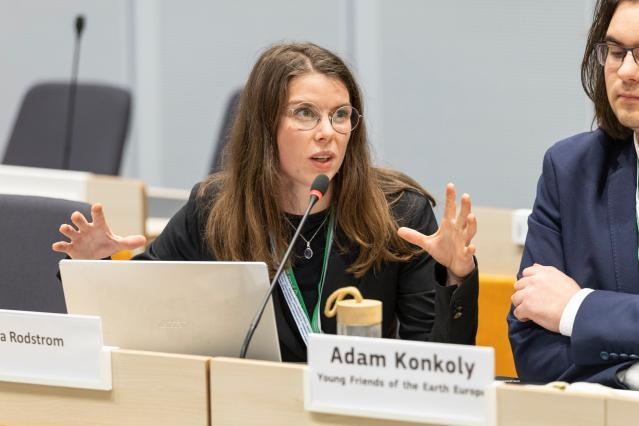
pixel 315 318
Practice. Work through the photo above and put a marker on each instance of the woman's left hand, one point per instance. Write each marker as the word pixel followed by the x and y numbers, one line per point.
pixel 451 244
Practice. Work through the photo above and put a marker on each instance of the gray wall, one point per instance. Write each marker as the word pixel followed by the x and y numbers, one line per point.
pixel 474 92
pixel 462 91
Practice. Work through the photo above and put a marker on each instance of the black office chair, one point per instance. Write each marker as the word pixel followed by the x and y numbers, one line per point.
pixel 28 265
pixel 100 125
pixel 225 131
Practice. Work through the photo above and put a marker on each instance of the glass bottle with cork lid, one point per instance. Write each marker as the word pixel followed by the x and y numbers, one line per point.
pixel 357 316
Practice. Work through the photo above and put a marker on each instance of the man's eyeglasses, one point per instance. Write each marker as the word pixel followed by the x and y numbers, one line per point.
pixel 611 54
pixel 306 115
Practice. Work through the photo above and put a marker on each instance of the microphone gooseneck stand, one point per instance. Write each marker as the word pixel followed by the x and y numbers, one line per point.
pixel 318 188
pixel 68 134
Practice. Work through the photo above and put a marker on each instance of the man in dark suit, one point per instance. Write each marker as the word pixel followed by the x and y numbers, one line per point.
pixel 575 314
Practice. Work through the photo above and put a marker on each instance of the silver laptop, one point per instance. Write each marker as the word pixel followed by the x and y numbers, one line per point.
pixel 199 308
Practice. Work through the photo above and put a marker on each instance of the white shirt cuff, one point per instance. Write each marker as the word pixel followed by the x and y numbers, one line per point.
pixel 570 311
pixel 630 376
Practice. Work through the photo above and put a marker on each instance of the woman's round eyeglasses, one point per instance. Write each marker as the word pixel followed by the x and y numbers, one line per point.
pixel 306 116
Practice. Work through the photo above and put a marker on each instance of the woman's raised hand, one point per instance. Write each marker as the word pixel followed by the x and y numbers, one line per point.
pixel 451 244
pixel 93 240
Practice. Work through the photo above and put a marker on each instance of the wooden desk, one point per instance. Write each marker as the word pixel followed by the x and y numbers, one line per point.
pixel 593 405
pixel 124 199
pixel 148 389
pixel 496 253
pixel 622 408
pixel 247 392
pixel 164 389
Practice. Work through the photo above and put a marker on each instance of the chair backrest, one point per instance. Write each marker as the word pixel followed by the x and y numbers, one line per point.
pixel 225 131
pixel 28 265
pixel 100 125
pixel 495 292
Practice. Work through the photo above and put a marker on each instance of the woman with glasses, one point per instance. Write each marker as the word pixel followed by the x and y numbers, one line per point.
pixel 301 115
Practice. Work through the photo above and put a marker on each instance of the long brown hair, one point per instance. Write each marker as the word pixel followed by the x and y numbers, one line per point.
pixel 592 73
pixel 245 221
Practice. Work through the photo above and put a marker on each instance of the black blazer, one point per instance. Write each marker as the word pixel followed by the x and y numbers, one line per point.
pixel 416 304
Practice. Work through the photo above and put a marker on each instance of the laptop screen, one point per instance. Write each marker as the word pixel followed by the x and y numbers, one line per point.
pixel 198 308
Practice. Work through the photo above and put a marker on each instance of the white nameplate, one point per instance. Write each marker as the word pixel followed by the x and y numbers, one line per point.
pixel 400 380
pixel 53 349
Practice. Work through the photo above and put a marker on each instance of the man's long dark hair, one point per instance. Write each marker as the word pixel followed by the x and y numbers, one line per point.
pixel 592 73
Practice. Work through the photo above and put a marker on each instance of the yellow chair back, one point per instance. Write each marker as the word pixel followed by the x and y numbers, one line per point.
pixel 494 303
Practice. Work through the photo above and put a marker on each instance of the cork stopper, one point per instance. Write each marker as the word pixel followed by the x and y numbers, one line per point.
pixel 356 311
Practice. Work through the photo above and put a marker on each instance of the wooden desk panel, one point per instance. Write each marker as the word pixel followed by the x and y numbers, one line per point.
pixel 148 389
pixel 496 253
pixel 247 392
pixel 124 199
pixel 124 202
pixel 622 409
pixel 522 405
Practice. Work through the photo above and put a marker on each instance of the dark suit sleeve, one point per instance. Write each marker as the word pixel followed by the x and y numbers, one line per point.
pixel 182 238
pixel 540 355
pixel 605 329
pixel 427 309
pixel 543 356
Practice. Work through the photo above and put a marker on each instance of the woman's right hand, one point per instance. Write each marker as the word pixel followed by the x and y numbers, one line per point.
pixel 93 240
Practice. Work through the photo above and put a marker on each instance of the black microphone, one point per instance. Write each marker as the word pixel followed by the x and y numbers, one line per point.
pixel 79 25
pixel 68 135
pixel 318 189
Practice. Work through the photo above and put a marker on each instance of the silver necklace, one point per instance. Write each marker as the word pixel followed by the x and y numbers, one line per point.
pixel 308 251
